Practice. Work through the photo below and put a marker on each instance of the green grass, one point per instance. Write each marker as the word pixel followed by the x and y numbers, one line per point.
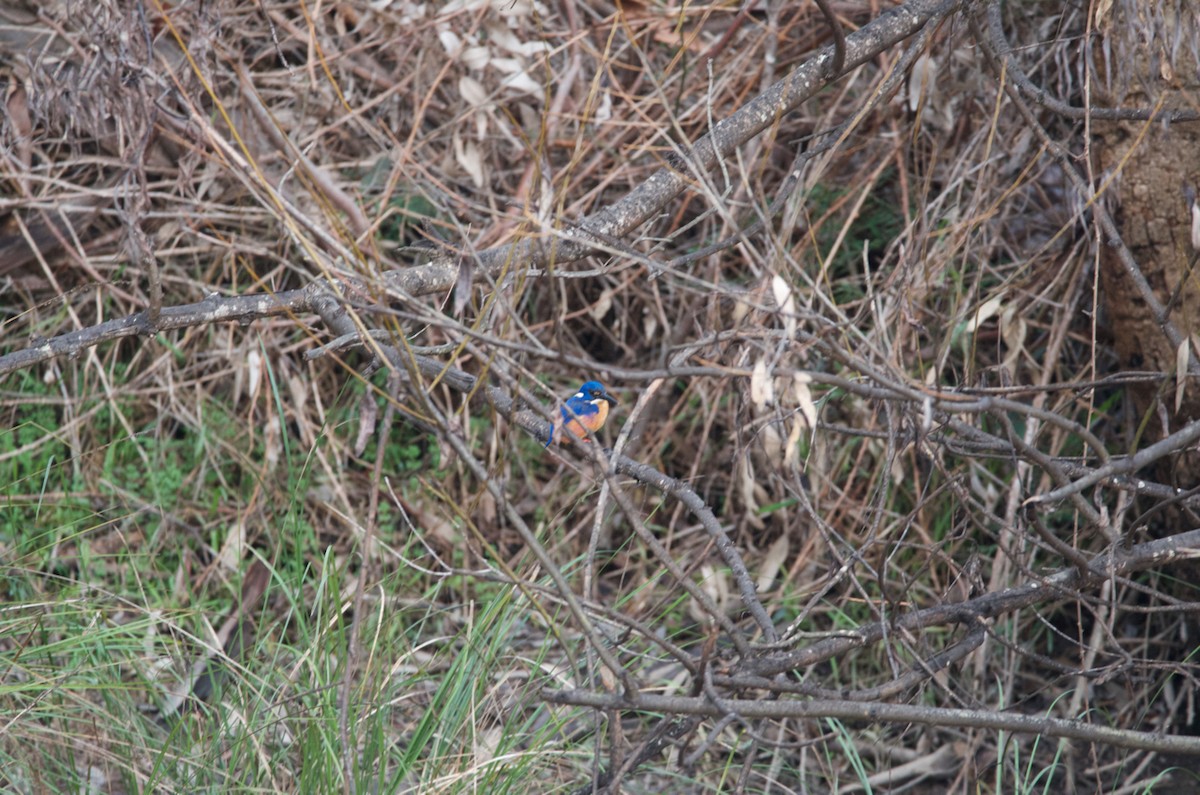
pixel 111 610
pixel 878 222
pixel 429 708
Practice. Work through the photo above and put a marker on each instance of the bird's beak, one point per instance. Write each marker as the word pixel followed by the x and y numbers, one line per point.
pixel 609 398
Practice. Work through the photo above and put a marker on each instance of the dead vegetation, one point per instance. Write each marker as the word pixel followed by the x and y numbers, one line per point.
pixel 876 514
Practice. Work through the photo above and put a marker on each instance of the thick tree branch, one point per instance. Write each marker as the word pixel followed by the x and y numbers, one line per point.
pixel 624 216
pixel 876 712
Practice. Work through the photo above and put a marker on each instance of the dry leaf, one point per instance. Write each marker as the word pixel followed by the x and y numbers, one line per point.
pixel 749 489
pixel 920 81
pixel 467 155
pixel 762 391
pixel 510 66
pixel 772 442
pixel 1013 330
pixel 487 740
pixel 253 373
pixel 792 448
pixel 272 443
pixel 786 303
pixel 298 391
pixel 476 57
pixel 740 310
pixel 473 91
pixel 649 323
pixel 1181 371
pixel 230 556
pixel 772 562
pixel 899 475
pixel 1166 70
pixel 602 306
pixel 800 382
pixel 462 284
pixel 368 418
pixel 450 41
pixel 603 110
pixel 1196 226
pixel 715 584
pixel 985 313
pixel 521 81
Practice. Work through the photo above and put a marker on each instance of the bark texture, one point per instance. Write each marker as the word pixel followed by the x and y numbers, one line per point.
pixel 1146 56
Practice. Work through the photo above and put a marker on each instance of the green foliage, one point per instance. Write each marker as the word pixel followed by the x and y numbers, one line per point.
pixel 407 208
pixel 874 227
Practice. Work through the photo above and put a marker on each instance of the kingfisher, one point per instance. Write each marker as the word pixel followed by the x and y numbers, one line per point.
pixel 584 411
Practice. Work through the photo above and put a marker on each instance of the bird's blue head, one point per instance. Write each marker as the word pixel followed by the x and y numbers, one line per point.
pixel 594 390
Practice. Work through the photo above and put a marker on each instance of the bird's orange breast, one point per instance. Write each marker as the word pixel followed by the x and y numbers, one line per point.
pixel 591 422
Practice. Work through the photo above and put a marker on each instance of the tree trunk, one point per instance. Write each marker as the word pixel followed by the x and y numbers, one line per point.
pixel 1147 54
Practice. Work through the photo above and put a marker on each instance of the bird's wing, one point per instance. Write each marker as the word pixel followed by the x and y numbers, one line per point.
pixel 581 407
